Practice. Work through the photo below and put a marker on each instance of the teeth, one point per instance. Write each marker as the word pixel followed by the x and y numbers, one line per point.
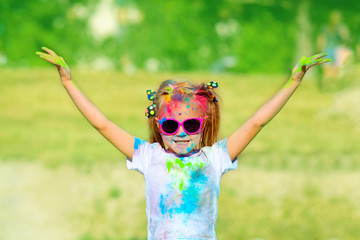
pixel 182 141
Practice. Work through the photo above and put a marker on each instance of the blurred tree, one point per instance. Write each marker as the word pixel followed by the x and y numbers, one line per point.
pixel 230 35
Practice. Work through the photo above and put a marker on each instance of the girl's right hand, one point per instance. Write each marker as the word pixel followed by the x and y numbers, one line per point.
pixel 58 61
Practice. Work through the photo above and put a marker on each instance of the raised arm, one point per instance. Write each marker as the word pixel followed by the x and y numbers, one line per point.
pixel 238 141
pixel 117 136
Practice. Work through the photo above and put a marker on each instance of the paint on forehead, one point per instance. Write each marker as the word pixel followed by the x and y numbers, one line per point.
pixel 177 108
pixel 172 108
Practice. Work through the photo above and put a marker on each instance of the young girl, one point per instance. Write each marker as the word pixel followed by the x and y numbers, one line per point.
pixel 183 162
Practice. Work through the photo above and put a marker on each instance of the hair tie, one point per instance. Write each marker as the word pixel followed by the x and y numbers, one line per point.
pixel 151 110
pixel 212 85
pixel 151 95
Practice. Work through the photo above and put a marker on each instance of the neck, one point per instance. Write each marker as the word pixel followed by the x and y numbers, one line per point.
pixel 182 155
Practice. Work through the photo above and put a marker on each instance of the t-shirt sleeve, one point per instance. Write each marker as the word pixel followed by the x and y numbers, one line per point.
pixel 222 160
pixel 141 156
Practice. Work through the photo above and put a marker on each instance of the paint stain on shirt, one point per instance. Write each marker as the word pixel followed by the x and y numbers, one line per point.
pixel 186 183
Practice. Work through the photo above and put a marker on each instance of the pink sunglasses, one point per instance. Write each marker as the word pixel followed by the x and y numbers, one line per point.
pixel 170 126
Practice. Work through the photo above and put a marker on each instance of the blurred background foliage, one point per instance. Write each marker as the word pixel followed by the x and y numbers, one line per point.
pixel 233 35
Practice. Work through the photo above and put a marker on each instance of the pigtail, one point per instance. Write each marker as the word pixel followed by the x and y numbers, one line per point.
pixel 211 129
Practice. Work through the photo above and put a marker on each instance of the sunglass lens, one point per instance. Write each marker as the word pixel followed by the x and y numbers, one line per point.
pixel 169 126
pixel 192 125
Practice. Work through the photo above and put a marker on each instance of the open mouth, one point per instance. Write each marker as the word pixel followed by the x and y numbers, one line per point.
pixel 182 142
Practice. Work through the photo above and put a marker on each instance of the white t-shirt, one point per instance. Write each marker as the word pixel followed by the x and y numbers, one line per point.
pixel 181 191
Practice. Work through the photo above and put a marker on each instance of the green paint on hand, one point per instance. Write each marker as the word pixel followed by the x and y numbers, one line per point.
pixel 61 62
pixel 53 58
pixel 304 63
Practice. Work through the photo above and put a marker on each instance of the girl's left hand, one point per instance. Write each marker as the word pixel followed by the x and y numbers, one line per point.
pixel 305 63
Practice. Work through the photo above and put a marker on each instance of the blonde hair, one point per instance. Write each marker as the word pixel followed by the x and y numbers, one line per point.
pixel 171 90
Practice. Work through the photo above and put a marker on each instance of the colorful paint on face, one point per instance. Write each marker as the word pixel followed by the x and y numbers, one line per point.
pixel 181 142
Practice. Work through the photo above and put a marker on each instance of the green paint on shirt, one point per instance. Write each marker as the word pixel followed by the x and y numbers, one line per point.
pixel 182 172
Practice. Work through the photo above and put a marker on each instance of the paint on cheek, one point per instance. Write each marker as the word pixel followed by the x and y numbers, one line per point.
pixel 189 149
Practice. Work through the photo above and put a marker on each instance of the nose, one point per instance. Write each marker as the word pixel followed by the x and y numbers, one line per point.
pixel 181 132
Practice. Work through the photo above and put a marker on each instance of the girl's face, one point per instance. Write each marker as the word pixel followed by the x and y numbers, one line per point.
pixel 180 142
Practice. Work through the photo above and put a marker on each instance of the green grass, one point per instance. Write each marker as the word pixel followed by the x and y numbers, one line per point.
pixel 40 123
pixel 298 179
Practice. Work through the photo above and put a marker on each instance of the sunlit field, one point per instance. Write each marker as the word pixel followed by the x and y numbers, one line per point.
pixel 60 179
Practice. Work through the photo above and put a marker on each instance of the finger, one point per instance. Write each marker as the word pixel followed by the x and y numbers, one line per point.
pixel 51 52
pixel 48 59
pixel 42 54
pixel 317 56
pixel 318 61
pixel 304 61
pixel 321 60
pixel 47 56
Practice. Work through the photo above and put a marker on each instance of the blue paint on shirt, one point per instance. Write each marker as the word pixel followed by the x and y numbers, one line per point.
pixel 190 197
pixel 138 142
